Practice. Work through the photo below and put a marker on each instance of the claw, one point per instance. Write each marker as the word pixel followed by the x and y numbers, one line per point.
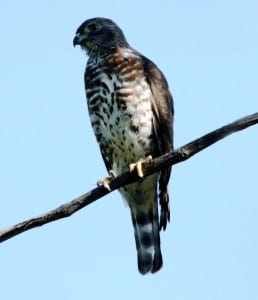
pixel 138 165
pixel 106 181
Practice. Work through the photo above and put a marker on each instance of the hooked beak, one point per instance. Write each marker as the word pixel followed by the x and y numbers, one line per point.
pixel 78 39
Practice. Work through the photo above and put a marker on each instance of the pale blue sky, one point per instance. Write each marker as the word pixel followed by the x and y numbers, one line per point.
pixel 48 155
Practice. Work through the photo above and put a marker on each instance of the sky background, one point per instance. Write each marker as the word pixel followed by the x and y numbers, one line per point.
pixel 48 153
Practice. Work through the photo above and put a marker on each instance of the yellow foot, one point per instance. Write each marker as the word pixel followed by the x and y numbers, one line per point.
pixel 106 181
pixel 138 165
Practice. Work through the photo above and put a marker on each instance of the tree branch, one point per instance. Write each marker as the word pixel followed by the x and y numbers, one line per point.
pixel 178 155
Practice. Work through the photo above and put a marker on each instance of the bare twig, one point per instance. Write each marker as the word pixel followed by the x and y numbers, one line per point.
pixel 178 155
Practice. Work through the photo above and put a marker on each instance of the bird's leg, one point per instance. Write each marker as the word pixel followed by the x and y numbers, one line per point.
pixel 138 165
pixel 106 181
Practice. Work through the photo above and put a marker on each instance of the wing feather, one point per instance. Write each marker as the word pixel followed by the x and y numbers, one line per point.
pixel 163 110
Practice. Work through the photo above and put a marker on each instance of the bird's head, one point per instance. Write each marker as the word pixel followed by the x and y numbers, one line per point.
pixel 99 35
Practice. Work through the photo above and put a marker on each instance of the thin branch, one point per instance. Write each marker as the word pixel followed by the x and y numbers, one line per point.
pixel 177 156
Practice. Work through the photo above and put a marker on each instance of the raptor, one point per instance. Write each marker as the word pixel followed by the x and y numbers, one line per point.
pixel 131 112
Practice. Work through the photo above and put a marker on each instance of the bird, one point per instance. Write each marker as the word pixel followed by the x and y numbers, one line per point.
pixel 131 112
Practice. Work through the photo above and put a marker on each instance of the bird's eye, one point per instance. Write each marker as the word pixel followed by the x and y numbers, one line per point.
pixel 93 27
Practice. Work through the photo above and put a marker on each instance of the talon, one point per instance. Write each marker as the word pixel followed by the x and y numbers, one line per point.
pixel 106 181
pixel 112 174
pixel 138 165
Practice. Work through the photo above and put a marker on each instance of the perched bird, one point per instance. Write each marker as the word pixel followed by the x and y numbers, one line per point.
pixel 131 112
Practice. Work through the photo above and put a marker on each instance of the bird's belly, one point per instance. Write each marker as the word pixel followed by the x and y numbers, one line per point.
pixel 123 142
pixel 125 133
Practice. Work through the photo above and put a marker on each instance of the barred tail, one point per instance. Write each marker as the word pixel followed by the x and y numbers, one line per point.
pixel 146 231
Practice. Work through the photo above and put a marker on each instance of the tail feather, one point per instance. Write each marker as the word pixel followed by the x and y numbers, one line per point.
pixel 146 231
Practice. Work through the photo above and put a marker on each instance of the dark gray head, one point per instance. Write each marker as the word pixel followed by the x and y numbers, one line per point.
pixel 99 35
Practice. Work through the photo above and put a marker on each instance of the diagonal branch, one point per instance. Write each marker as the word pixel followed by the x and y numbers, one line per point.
pixel 178 155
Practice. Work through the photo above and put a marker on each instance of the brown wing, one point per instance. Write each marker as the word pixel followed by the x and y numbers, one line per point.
pixel 163 129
